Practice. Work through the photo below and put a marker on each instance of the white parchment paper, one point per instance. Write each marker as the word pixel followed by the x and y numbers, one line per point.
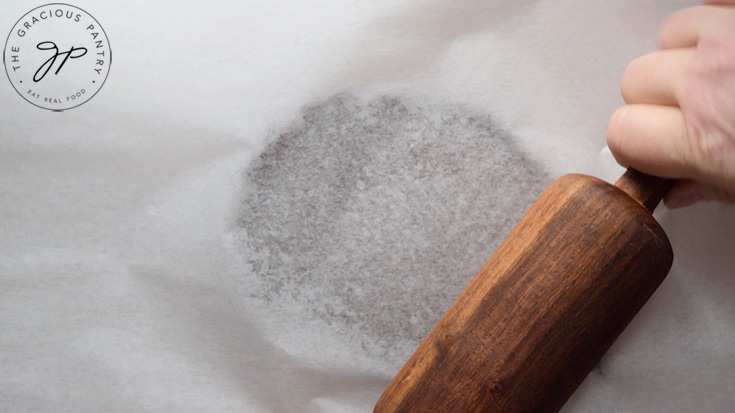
pixel 269 204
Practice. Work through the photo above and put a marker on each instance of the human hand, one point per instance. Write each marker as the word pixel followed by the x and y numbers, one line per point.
pixel 679 121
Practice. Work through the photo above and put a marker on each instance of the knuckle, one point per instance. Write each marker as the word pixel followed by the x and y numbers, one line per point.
pixel 704 156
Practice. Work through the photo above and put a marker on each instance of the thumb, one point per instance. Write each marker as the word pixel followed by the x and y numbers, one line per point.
pixel 651 139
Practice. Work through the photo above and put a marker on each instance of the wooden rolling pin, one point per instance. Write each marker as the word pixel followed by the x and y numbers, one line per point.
pixel 547 305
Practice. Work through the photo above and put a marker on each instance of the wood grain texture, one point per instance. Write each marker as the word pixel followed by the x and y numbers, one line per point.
pixel 646 189
pixel 543 310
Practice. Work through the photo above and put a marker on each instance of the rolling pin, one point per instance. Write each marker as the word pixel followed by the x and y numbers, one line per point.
pixel 548 304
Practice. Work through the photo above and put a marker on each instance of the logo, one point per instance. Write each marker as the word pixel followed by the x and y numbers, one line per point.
pixel 57 56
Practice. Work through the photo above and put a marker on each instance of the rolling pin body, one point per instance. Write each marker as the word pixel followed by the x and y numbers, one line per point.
pixel 543 310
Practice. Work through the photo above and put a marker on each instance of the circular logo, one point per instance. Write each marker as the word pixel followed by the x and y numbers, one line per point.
pixel 57 56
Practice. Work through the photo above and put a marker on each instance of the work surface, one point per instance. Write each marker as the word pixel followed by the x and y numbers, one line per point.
pixel 269 204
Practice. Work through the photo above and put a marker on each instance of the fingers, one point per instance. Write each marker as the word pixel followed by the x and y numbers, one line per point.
pixel 687 192
pixel 651 134
pixel 651 138
pixel 656 78
pixel 687 27
pixel 682 194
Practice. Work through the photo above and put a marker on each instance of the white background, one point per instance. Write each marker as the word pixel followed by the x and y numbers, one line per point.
pixel 120 280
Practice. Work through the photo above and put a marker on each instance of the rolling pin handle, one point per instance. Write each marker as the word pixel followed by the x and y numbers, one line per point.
pixel 646 189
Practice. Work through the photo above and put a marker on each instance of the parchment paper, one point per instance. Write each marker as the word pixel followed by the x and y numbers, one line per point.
pixel 269 204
